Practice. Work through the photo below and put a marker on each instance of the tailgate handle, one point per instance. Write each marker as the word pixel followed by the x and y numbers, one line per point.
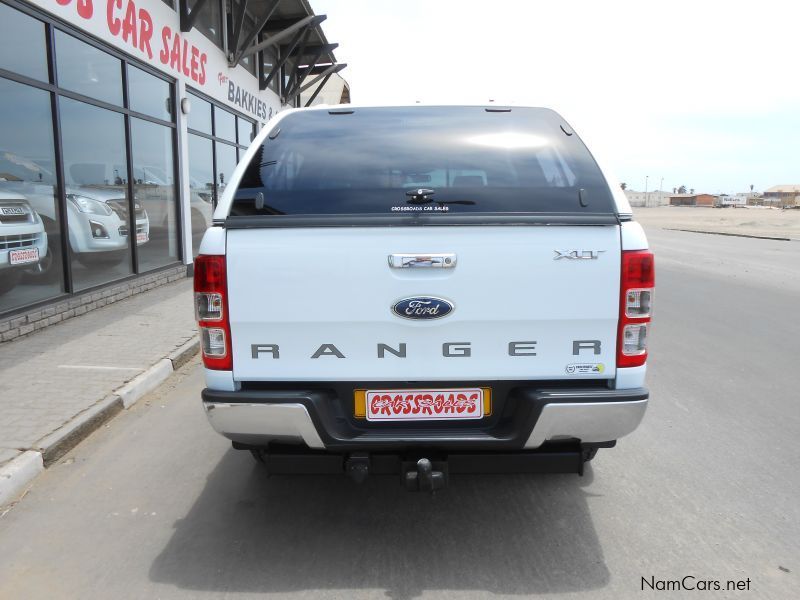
pixel 416 261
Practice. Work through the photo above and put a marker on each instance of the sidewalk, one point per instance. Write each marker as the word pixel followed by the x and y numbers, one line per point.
pixel 58 385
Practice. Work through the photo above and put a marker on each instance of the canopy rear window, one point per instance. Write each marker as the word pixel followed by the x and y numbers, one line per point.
pixel 422 160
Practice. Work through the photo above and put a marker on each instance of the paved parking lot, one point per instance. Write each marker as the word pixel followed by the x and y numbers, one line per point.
pixel 156 505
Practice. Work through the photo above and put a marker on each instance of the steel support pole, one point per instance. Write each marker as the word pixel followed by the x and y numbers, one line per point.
pixel 319 89
pixel 237 30
pixel 238 51
pixel 284 56
pixel 329 71
pixel 301 78
pixel 309 21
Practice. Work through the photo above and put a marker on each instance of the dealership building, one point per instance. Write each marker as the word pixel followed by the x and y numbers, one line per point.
pixel 120 123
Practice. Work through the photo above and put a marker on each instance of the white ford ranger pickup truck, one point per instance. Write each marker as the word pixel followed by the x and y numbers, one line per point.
pixel 423 291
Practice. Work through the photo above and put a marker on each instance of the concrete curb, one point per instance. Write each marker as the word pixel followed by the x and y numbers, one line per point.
pixel 144 382
pixel 17 474
pixel 66 437
pixel 185 353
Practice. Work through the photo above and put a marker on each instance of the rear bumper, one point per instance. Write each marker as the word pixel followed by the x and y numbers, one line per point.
pixel 262 423
pixel 531 417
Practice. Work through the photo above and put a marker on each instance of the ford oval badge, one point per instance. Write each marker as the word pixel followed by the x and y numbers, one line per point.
pixel 422 307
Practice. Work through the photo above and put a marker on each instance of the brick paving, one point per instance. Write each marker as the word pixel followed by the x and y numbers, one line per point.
pixel 49 377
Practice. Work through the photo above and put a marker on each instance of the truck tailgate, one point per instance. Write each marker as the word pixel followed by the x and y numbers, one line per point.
pixel 313 304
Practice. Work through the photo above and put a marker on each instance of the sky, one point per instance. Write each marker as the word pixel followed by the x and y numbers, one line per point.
pixel 699 93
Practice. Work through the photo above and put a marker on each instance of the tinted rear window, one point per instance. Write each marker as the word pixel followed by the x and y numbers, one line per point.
pixel 469 160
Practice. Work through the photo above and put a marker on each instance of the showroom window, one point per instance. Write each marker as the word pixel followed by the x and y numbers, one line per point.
pixel 93 141
pixel 200 115
pixel 31 268
pixel 87 70
pixel 149 95
pixel 245 132
pixel 217 141
pixel 107 208
pixel 154 194
pixel 249 63
pixel 225 124
pixel 22 45
pixel 269 60
pixel 201 186
pixel 226 163
pixel 209 20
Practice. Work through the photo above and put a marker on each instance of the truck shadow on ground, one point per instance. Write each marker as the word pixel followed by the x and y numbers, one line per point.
pixel 503 534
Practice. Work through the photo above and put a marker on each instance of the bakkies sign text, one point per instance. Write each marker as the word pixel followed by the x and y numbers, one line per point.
pixel 245 100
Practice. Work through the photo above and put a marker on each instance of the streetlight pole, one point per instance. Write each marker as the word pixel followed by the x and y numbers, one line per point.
pixel 661 186
pixel 646 196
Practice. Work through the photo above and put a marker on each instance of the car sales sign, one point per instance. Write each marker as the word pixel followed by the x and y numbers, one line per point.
pixel 150 31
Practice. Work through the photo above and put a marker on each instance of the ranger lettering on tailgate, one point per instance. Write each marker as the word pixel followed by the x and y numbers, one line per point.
pixel 526 348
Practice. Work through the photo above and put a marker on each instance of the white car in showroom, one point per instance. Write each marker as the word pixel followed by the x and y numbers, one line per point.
pixel 97 214
pixel 23 241
pixel 98 224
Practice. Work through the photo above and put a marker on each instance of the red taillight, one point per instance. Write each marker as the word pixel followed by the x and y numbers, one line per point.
pixel 211 311
pixel 637 283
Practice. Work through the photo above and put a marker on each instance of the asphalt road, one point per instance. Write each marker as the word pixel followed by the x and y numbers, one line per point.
pixel 155 505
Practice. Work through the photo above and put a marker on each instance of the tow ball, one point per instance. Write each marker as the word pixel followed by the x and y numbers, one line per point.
pixel 424 478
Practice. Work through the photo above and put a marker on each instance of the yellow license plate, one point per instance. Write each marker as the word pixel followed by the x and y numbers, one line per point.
pixel 423 404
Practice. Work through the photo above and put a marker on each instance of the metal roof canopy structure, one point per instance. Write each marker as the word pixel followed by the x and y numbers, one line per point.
pixel 288 26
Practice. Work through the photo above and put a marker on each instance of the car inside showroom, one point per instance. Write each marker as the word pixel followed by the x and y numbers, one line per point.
pixel 120 124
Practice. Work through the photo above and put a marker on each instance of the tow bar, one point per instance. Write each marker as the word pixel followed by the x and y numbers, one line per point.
pixel 423 474
pixel 419 476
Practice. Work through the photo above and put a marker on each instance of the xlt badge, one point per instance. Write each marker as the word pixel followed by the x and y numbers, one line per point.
pixel 578 254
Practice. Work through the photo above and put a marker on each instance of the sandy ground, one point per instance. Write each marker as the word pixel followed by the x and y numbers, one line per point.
pixel 768 222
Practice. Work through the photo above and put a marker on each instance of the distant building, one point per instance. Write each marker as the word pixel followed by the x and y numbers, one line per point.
pixel 735 200
pixel 335 90
pixel 782 195
pixel 692 200
pixel 654 198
